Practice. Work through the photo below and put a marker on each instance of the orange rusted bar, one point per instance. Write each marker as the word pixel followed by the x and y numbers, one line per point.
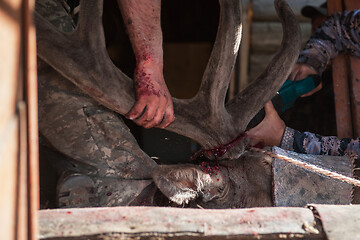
pixel 354 79
pixel 341 85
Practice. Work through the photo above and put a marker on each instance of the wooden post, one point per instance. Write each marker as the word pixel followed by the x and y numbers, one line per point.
pixel 30 66
pixel 354 76
pixel 341 85
pixel 19 186
pixel 346 75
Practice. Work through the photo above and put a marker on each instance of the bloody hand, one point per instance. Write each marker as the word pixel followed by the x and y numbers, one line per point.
pixel 154 106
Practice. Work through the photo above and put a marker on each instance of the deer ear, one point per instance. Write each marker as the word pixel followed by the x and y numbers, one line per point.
pixel 180 183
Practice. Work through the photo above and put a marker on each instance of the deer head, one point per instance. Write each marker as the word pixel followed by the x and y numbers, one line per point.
pixel 238 183
pixel 215 123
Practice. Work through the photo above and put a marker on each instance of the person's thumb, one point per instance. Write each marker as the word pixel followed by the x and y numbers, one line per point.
pixel 269 109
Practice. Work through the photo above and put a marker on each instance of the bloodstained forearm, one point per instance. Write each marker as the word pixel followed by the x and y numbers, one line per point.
pixel 153 107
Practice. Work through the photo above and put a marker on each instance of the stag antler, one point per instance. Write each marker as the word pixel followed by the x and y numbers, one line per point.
pixel 85 62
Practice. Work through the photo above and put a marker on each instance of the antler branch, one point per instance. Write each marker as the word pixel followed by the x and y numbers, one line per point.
pixel 217 75
pixel 81 57
pixel 246 104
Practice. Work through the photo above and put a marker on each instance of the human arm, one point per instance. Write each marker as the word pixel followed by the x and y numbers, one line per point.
pixel 338 34
pixel 273 132
pixel 154 106
pixel 269 132
pixel 311 143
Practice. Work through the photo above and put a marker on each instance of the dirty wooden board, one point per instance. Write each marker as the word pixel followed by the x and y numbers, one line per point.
pixel 341 85
pixel 295 186
pixel 340 222
pixel 95 223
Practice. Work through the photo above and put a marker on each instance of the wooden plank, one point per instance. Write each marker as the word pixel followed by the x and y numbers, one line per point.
pixel 334 6
pixel 8 172
pixel 264 9
pixel 10 75
pixel 126 222
pixel 10 55
pixel 30 60
pixel 351 4
pixel 267 36
pixel 342 97
pixel 341 85
pixel 355 94
pixel 354 79
pixel 22 188
pixel 339 222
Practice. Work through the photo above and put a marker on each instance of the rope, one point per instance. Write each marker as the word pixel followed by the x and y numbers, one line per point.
pixel 311 167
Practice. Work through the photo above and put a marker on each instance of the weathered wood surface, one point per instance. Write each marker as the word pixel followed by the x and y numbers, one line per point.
pixel 264 10
pixel 296 186
pixel 8 176
pixel 345 80
pixel 354 79
pixel 266 33
pixel 266 36
pixel 31 88
pixel 17 85
pixel 342 97
pixel 177 223
pixel 355 94
pixel 339 222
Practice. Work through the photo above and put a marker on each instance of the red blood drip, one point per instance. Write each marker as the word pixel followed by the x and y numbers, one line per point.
pixel 220 150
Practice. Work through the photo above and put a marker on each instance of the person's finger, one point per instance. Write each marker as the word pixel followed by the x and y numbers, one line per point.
pixel 300 75
pixel 158 116
pixel 294 72
pixel 149 113
pixel 136 111
pixel 269 108
pixel 169 117
pixel 318 88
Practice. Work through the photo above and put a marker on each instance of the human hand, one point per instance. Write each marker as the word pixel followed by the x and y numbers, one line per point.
pixel 269 132
pixel 301 71
pixel 154 106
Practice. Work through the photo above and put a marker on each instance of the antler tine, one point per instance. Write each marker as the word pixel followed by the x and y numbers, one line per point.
pixel 218 71
pixel 96 76
pixel 247 103
pixel 90 23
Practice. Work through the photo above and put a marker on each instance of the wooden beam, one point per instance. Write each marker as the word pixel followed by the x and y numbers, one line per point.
pixel 339 222
pixel 30 67
pixel 341 85
pixel 354 76
pixel 11 72
pixel 177 223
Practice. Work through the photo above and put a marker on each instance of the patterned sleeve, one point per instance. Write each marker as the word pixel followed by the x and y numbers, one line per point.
pixel 338 34
pixel 310 143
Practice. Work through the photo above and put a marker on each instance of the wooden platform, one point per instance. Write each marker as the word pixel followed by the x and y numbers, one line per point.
pixel 312 222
